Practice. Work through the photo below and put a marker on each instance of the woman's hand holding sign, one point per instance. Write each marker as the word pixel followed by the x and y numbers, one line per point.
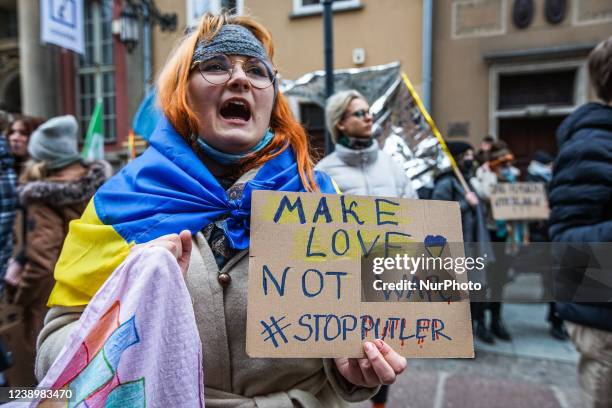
pixel 381 365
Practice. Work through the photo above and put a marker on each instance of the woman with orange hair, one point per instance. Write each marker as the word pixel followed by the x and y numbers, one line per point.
pixel 227 131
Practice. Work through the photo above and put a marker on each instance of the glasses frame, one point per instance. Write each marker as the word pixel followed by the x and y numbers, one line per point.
pixel 273 70
pixel 359 113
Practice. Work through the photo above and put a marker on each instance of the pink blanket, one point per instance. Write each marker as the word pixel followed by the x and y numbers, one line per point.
pixel 138 343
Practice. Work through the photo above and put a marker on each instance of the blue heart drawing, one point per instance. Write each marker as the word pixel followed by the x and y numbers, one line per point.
pixel 434 245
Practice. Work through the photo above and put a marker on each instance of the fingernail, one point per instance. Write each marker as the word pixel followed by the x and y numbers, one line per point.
pixel 367 346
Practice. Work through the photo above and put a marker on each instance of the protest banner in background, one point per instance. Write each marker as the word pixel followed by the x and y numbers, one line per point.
pixel 305 285
pixel 61 23
pixel 519 201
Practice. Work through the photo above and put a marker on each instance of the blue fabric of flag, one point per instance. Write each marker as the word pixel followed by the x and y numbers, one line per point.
pixel 168 189
pixel 147 116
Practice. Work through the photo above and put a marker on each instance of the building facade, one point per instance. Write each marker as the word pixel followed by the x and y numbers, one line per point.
pixel 513 69
pixel 45 80
pixel 365 33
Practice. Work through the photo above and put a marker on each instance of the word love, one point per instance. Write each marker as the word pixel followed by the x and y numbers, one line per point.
pixel 340 211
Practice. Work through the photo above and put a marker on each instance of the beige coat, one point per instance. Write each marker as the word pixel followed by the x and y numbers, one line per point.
pixel 231 378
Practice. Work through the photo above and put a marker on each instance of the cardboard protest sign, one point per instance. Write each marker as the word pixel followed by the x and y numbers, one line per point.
pixel 306 297
pixel 519 201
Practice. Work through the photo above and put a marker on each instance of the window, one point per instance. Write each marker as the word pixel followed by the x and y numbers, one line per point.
pixel 520 90
pixel 195 8
pixel 535 90
pixel 307 7
pixel 95 69
pixel 8 23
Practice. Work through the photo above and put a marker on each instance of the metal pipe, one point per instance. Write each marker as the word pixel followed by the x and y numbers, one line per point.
pixel 147 50
pixel 328 46
pixel 427 52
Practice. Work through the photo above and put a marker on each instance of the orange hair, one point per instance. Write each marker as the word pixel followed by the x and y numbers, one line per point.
pixel 172 98
pixel 495 163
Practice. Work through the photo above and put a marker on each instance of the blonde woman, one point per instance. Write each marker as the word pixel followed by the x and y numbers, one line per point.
pixel 357 164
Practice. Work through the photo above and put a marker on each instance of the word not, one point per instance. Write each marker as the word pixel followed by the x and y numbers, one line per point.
pixel 313 281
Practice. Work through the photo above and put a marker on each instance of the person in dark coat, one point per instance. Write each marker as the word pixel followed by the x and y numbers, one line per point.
pixel 484 152
pixel 581 211
pixel 55 189
pixel 540 171
pixel 503 234
pixel 8 200
pixel 17 136
pixel 447 187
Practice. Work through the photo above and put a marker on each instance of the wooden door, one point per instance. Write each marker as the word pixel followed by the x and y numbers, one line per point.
pixel 526 135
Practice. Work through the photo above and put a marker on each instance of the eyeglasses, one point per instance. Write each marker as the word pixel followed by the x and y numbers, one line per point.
pixel 361 113
pixel 219 69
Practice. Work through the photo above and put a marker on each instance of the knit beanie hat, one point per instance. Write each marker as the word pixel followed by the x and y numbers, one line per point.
pixel 458 148
pixel 499 154
pixel 543 157
pixel 499 149
pixel 55 142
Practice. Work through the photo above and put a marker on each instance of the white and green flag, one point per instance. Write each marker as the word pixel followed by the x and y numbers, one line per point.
pixel 93 149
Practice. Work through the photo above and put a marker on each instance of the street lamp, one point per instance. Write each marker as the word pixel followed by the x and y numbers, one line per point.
pixel 135 10
pixel 128 22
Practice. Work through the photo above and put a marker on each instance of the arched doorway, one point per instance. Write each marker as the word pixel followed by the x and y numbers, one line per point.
pixel 10 97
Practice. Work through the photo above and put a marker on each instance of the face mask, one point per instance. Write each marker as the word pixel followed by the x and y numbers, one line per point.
pixel 467 165
pixel 233 158
pixel 507 174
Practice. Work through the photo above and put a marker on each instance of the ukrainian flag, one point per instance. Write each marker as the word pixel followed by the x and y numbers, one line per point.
pixel 164 191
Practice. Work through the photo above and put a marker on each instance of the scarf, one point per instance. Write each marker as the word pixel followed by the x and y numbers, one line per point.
pixel 164 191
pixel 355 143
pixel 233 158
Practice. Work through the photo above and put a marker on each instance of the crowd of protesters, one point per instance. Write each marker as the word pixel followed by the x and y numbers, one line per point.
pixel 45 185
pixel 579 185
pixel 225 66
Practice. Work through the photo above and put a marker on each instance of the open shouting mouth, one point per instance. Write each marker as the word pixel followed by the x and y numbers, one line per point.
pixel 236 109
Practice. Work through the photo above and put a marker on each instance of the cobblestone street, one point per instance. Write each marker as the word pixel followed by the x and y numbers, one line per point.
pixel 533 371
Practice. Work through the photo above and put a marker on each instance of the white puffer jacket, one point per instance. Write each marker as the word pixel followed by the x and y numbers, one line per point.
pixel 367 172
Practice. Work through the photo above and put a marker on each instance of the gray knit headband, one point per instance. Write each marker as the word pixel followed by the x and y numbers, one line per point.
pixel 232 39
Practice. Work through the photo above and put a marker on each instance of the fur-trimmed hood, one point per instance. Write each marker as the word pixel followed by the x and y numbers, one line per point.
pixel 72 185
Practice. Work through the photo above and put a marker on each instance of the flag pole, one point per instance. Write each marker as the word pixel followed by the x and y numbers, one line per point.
pixel 93 146
pixel 435 131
